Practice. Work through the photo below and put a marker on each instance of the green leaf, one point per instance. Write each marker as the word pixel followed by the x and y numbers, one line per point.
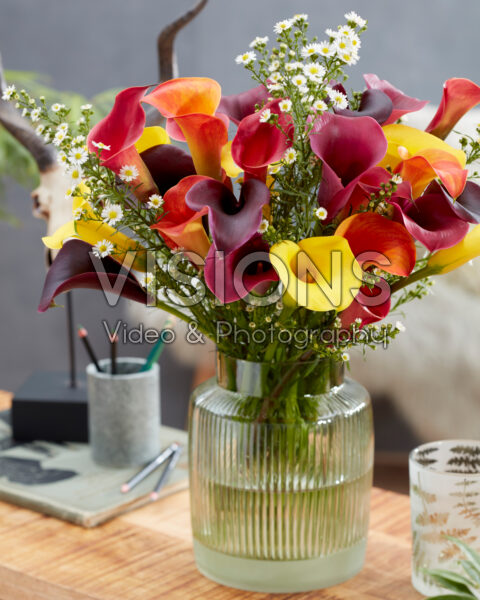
pixel 453 597
pixel 468 551
pixel 471 571
pixel 450 580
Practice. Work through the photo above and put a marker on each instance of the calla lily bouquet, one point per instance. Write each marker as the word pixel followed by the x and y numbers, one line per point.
pixel 291 207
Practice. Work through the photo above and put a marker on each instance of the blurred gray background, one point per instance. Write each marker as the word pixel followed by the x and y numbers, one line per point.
pixel 92 45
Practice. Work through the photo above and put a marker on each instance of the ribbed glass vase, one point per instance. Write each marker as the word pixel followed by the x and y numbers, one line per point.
pixel 280 475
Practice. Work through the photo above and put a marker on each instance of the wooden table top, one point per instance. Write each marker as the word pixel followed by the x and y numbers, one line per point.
pixel 147 555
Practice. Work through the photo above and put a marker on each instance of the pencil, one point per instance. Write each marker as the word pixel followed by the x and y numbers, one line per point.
pixel 166 472
pixel 157 350
pixel 113 354
pixel 83 335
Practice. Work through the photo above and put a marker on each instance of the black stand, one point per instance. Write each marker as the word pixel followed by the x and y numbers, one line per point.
pixel 53 406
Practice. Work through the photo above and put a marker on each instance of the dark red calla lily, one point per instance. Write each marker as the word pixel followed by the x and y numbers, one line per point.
pixel 459 96
pixel 231 277
pixel 73 268
pixel 232 222
pixel 369 305
pixel 374 103
pixel 467 205
pixel 348 147
pixel 119 131
pixel 257 145
pixel 181 227
pixel 402 104
pixel 431 219
pixel 168 165
pixel 239 106
pixel 376 240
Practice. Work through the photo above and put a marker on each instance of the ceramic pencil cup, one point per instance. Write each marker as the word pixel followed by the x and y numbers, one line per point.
pixel 123 413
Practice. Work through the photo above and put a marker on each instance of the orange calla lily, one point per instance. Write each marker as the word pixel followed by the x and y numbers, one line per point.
pixel 320 273
pixel 191 102
pixel 420 157
pixel 382 242
pixel 449 259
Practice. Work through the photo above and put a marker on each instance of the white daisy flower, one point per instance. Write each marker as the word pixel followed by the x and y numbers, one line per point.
pixel 100 145
pixel 78 156
pixel 102 249
pixel 146 279
pixel 246 58
pixel 62 158
pixel 321 213
pixel 300 17
pixel 262 228
pixel 400 326
pixel 86 107
pixel 274 65
pixel 155 201
pixel 274 87
pixel 35 114
pixel 24 112
pixel 397 178
pixel 59 137
pixel 352 17
pixel 342 44
pixel 293 66
pixel 314 71
pixel 358 321
pixel 331 33
pixel 349 58
pixel 63 127
pixel 78 213
pixel 310 50
pixel 345 356
pixel 276 77
pixel 339 100
pixel 320 106
pixel 290 156
pixel 265 116
pixel 346 30
pixel 128 173
pixel 325 49
pixel 282 26
pixel 259 41
pixel 112 213
pixel 57 107
pixel 47 138
pixel 8 92
pixel 40 129
pixel 81 121
pixel 355 41
pixel 76 174
pixel 299 80
pixel 285 105
pixel 79 139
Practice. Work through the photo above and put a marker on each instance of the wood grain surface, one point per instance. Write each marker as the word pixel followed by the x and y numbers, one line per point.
pixel 147 555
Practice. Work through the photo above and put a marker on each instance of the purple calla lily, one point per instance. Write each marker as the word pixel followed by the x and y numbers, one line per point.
pixel 232 221
pixel 239 106
pixel 348 148
pixel 73 268
pixel 168 165
pixel 467 205
pixel 402 104
pixel 245 269
pixel 374 103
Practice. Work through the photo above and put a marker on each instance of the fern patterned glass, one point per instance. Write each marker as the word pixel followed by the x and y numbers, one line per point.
pixel 445 503
pixel 280 504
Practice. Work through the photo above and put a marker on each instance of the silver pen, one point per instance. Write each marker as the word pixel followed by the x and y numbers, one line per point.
pixel 145 472
pixel 166 472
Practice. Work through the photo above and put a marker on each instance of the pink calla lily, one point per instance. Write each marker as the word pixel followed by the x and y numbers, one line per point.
pixel 348 147
pixel 402 104
pixel 232 222
pixel 245 269
pixel 239 106
pixel 119 131
pixel 459 96
pixel 257 145
pixel 374 103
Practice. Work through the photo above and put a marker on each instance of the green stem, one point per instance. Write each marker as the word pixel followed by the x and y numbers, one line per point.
pixel 421 274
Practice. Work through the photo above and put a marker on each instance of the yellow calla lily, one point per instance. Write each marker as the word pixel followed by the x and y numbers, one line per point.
pixel 93 231
pixel 449 259
pixel 152 136
pixel 320 273
pixel 230 166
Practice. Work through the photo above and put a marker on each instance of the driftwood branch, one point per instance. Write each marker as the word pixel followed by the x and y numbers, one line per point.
pixel 167 65
pixel 22 131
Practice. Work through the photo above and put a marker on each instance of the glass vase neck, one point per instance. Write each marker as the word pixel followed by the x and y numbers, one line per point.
pixel 311 377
